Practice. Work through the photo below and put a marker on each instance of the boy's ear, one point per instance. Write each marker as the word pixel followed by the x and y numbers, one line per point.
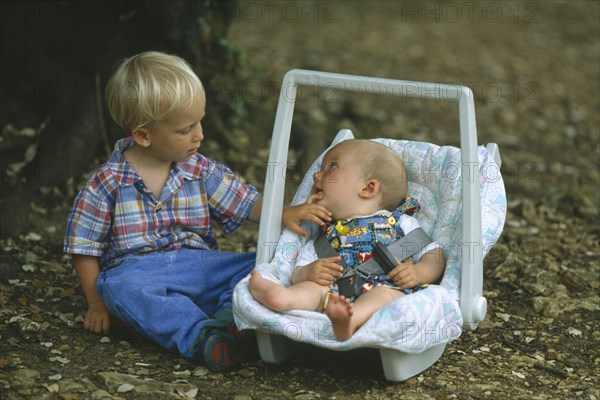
pixel 371 189
pixel 141 136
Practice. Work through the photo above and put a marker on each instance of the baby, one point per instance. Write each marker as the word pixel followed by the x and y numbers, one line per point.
pixel 359 182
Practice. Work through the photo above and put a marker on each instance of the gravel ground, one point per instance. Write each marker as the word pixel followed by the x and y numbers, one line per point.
pixel 534 70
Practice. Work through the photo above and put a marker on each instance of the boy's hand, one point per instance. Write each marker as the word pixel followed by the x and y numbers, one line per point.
pixel 323 271
pixel 97 318
pixel 309 211
pixel 405 276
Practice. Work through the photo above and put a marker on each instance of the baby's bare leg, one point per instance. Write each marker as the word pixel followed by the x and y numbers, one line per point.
pixel 347 317
pixel 301 296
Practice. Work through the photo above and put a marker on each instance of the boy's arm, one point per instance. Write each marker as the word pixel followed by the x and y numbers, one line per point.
pixel 429 269
pixel 309 211
pixel 97 317
pixel 292 215
pixel 254 215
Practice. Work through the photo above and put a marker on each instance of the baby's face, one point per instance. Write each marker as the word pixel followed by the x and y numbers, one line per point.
pixel 339 182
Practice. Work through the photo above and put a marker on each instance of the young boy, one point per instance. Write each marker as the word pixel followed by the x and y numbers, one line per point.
pixel 141 231
pixel 358 182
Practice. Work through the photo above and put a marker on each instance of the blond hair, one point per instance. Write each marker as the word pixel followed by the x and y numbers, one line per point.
pixel 150 86
pixel 379 162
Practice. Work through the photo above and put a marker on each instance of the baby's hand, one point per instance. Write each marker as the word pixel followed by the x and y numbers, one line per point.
pixel 405 275
pixel 309 211
pixel 324 270
pixel 97 318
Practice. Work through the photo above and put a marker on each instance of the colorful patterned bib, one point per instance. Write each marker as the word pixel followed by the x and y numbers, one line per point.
pixel 353 239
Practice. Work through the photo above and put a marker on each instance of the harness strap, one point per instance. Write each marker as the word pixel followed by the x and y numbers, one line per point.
pixel 402 249
pixel 407 246
pixel 324 250
pixel 350 284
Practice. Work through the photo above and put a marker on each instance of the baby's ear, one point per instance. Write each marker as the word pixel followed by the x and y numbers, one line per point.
pixel 141 136
pixel 372 188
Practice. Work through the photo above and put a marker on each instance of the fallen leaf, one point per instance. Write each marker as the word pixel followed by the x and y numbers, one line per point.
pixel 37 317
pixel 38 283
pixel 28 268
pixel 482 349
pixel 201 371
pixel 245 372
pixel 569 280
pixel 68 292
pixel 66 318
pixel 61 360
pixel 33 237
pixel 504 317
pixel 574 332
pixel 126 387
pixel 52 388
pixel 518 375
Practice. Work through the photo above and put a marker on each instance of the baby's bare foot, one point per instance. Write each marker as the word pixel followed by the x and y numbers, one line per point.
pixel 266 292
pixel 339 311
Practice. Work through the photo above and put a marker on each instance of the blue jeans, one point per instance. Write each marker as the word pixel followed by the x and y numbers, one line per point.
pixel 170 296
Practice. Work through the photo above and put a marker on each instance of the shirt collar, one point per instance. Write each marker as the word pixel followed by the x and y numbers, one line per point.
pixel 191 168
pixel 126 176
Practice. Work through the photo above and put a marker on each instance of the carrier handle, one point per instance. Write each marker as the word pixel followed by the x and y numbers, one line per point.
pixel 472 303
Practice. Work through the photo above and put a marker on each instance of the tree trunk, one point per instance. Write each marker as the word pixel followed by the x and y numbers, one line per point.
pixel 57 57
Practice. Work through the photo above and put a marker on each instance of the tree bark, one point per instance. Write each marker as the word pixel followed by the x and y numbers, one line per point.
pixel 54 53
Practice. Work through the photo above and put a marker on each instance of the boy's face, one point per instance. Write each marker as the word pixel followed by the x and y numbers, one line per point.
pixel 178 137
pixel 340 182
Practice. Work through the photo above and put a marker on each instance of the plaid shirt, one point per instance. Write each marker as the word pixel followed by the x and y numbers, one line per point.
pixel 115 215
